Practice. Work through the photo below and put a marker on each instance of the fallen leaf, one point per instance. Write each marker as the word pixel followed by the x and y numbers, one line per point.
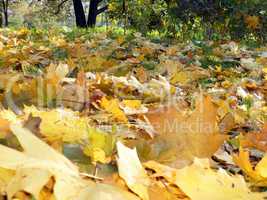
pixel 199 181
pixel 6 176
pixel 181 77
pixel 163 191
pixel 112 106
pixel 100 146
pixel 141 74
pixel 131 107
pixel 60 124
pixel 46 163
pixel 257 174
pixel 30 180
pixel 4 128
pixel 132 171
pixel 257 140
pixel 183 137
pixel 252 22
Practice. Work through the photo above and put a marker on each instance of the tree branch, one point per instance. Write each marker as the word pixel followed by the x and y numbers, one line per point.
pixel 59 6
pixel 103 9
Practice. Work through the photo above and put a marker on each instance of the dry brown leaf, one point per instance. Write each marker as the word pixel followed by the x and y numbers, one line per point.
pixel 252 22
pixel 256 140
pixel 141 74
pixel 187 136
pixel 172 120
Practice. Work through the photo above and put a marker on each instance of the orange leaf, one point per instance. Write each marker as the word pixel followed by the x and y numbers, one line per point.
pixel 4 127
pixel 256 140
pixel 81 79
pixel 187 136
pixel 252 22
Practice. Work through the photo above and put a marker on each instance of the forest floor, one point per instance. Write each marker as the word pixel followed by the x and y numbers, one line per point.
pixel 105 116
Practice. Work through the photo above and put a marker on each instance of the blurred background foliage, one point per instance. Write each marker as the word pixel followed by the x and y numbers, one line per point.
pixel 174 19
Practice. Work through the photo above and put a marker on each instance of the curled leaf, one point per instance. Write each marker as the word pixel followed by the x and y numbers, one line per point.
pixel 132 171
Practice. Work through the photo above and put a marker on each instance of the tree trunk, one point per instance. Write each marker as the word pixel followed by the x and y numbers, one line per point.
pixel 79 14
pixel 5 11
pixel 92 13
pixel 1 19
pixel 6 19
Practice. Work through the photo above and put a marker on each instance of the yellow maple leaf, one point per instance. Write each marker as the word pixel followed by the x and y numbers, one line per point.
pixel 258 174
pixel 100 145
pixel 39 162
pixel 112 106
pixel 136 104
pixel 22 32
pixel 131 107
pixel 58 124
pixel 181 77
pixel 5 177
pixel 55 73
pixel 96 154
pixel 199 181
